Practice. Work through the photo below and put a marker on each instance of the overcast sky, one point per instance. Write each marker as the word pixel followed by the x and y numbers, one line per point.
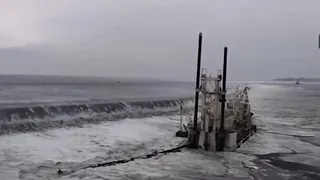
pixel 158 38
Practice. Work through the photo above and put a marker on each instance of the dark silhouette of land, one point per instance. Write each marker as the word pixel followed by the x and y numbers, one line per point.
pixel 300 79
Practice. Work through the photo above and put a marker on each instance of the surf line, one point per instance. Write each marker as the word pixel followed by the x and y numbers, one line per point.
pixel 112 163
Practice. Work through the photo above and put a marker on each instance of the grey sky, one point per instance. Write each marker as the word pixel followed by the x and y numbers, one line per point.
pixel 158 39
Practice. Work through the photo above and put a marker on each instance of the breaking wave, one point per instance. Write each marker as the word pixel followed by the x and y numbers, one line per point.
pixel 41 117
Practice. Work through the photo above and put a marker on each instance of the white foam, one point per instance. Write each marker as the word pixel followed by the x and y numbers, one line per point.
pixel 81 144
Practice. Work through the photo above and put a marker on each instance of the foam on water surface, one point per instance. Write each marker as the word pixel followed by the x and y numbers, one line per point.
pixel 39 155
pixel 285 146
pixel 107 141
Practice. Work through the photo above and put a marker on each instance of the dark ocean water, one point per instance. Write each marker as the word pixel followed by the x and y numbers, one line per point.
pixel 33 103
pixel 49 123
pixel 33 90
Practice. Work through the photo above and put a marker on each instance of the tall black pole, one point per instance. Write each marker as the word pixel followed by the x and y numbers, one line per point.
pixel 196 101
pixel 223 99
pixel 319 41
pixel 224 82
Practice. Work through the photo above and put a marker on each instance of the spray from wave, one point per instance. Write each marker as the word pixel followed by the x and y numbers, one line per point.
pixel 37 118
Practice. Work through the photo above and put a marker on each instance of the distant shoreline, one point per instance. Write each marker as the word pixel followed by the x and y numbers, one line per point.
pixel 300 79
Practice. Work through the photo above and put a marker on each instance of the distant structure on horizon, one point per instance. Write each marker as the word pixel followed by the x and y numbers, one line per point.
pixel 298 79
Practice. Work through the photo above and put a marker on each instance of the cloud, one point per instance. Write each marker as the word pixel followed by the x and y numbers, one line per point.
pixel 158 39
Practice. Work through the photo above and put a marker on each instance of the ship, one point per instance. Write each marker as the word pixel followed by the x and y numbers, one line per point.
pixel 225 119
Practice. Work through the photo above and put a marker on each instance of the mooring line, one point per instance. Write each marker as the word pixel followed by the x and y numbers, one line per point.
pixel 112 163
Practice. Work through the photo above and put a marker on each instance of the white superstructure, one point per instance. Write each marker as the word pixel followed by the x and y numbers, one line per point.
pixel 237 119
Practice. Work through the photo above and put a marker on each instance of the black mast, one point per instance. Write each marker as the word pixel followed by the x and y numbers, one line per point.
pixel 224 89
pixel 319 41
pixel 221 134
pixel 196 102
